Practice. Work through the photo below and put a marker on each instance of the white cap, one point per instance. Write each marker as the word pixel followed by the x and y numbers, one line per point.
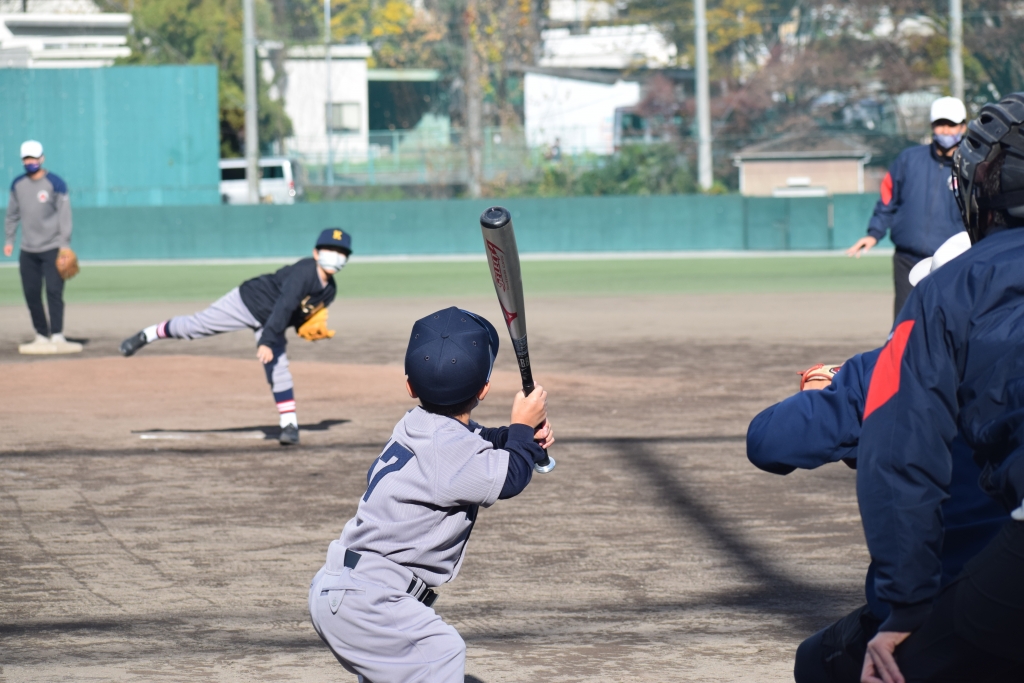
pixel 950 249
pixel 948 109
pixel 31 148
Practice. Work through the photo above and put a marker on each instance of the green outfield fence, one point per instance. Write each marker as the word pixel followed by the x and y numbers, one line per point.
pixel 442 227
pixel 119 136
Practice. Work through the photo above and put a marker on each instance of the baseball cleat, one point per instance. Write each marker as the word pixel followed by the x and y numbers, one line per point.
pixel 133 343
pixel 289 436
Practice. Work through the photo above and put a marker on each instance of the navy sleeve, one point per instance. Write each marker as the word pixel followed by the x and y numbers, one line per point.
pixel 523 451
pixel 815 427
pixel 293 290
pixel 889 202
pixel 904 463
pixel 498 436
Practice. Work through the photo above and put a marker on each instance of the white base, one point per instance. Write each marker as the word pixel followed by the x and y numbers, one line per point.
pixel 49 348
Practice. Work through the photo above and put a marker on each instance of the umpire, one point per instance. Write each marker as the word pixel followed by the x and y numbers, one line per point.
pixel 917 205
pixel 954 361
pixel 39 201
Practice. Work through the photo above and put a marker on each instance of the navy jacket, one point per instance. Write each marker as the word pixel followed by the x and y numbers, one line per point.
pixel 277 299
pixel 917 204
pixel 954 363
pixel 813 428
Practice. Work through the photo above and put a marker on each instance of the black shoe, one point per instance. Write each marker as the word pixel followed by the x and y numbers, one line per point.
pixel 133 343
pixel 289 436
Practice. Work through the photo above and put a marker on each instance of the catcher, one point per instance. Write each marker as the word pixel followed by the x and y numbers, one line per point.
pixel 297 295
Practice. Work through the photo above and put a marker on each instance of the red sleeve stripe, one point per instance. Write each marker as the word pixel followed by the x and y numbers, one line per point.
pixel 885 380
pixel 886 189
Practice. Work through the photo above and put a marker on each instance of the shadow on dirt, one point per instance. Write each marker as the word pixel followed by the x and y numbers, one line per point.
pixel 269 432
pixel 771 590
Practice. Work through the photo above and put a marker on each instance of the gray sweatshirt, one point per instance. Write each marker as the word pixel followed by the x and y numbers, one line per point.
pixel 44 210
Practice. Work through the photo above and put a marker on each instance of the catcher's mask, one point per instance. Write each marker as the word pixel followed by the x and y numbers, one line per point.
pixel 995 134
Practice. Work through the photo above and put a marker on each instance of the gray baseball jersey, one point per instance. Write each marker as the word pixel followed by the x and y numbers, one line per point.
pixel 44 211
pixel 423 493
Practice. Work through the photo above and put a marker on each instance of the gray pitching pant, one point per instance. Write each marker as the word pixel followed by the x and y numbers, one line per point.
pixel 228 314
pixel 377 630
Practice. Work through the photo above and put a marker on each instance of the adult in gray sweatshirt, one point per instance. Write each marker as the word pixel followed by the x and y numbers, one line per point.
pixel 39 201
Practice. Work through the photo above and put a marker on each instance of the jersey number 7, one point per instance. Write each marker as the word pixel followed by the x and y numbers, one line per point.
pixel 393 459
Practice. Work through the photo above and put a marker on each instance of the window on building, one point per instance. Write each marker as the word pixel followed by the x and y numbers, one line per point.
pixel 343 117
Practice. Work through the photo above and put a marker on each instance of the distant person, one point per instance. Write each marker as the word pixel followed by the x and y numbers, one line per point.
pixel 917 206
pixel 295 296
pixel 39 201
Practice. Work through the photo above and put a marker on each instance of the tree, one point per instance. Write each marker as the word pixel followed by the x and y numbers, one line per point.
pixel 206 32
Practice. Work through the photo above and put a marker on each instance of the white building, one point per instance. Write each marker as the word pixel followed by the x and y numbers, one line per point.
pixel 577 113
pixel 60 34
pixel 607 47
pixel 304 90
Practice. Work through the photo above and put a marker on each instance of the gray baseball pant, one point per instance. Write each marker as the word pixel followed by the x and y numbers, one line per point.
pixel 376 629
pixel 228 314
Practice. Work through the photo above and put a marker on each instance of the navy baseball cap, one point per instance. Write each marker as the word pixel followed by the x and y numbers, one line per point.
pixel 335 238
pixel 450 356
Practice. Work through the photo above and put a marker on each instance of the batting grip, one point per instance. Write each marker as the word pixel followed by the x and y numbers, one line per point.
pixel 503 261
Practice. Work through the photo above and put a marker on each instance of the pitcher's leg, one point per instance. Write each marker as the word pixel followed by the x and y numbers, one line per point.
pixel 279 377
pixel 226 314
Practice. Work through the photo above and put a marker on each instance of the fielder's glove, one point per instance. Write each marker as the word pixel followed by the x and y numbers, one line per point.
pixel 818 376
pixel 315 327
pixel 67 263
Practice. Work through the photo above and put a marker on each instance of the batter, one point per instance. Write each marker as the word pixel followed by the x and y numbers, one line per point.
pixel 296 295
pixel 371 602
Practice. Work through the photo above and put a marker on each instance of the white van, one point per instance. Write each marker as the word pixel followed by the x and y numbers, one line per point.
pixel 278 181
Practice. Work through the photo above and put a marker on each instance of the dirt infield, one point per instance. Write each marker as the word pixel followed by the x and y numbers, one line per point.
pixel 152 529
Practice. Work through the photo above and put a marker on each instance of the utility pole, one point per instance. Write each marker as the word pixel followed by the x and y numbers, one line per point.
pixel 956 48
pixel 252 135
pixel 474 105
pixel 704 172
pixel 329 107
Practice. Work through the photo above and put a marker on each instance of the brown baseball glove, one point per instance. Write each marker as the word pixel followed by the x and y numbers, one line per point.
pixel 315 327
pixel 818 376
pixel 67 263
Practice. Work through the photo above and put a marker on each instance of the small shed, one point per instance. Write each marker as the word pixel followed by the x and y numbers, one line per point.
pixel 813 164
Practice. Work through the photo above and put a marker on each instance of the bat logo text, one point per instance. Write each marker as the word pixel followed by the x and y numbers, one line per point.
pixel 497 257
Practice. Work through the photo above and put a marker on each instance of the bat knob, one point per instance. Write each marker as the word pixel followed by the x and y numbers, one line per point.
pixel 544 467
pixel 495 217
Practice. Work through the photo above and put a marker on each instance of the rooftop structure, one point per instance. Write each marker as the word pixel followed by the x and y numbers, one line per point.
pixel 60 34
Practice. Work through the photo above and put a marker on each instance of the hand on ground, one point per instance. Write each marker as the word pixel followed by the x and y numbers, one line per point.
pixel 264 353
pixel 530 410
pixel 861 246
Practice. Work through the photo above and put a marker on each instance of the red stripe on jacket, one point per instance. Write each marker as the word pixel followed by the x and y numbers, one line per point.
pixel 886 189
pixel 885 380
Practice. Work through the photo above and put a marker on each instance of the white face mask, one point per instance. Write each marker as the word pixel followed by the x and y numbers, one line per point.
pixel 331 261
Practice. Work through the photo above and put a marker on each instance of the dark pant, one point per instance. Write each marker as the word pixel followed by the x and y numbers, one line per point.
pixel 976 629
pixel 836 654
pixel 902 263
pixel 34 269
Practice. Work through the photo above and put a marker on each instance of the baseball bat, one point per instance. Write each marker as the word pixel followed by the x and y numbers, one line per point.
pixel 503 259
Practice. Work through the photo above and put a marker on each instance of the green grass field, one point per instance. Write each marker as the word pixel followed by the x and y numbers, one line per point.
pixel 542 278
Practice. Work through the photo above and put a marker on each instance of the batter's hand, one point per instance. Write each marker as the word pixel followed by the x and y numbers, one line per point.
pixel 264 353
pixel 861 246
pixel 530 410
pixel 544 436
pixel 879 662
pixel 8 249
